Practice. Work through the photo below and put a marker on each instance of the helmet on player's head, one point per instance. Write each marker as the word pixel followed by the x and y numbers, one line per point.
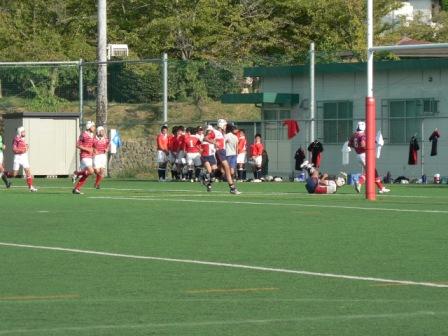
pixel 222 123
pixel 20 130
pixel 340 181
pixel 89 125
pixel 99 130
pixel 361 126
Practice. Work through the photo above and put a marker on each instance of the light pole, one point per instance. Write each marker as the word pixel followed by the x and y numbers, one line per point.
pixel 101 97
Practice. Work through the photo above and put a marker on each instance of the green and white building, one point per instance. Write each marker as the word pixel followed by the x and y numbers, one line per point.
pixel 412 99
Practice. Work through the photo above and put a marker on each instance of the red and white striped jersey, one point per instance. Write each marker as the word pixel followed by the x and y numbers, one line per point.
pixel 207 149
pixel 19 145
pixel 86 140
pixel 101 145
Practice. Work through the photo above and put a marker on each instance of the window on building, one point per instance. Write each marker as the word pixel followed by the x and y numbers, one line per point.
pixel 273 117
pixel 337 121
pixel 405 117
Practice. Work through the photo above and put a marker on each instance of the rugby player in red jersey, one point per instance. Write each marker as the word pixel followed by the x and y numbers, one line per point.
pixel 85 145
pixel 179 150
pixel 208 157
pixel 171 152
pixel 217 138
pixel 256 151
pixel 100 147
pixel 358 143
pixel 242 153
pixel 20 149
pixel 162 152
pixel 192 149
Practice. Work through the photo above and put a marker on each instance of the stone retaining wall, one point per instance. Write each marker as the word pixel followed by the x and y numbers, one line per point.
pixel 133 157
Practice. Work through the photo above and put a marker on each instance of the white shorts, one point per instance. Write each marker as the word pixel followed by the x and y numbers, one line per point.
pixel 21 160
pixel 241 158
pixel 361 158
pixel 100 161
pixel 161 157
pixel 180 159
pixel 171 157
pixel 257 160
pixel 86 163
pixel 194 159
pixel 331 187
pixel 1 157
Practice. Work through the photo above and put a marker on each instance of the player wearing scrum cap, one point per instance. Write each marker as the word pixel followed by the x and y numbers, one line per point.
pixel 100 147
pixel 85 145
pixel 2 169
pixel 217 138
pixel 20 149
pixel 358 143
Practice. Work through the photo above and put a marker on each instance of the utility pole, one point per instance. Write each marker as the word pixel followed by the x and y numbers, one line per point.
pixel 101 97
pixel 165 88
pixel 312 92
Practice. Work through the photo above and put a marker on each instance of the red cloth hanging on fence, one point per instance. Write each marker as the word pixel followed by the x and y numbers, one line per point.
pixel 293 128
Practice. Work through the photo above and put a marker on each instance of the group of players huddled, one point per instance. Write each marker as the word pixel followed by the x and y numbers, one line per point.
pixel 204 154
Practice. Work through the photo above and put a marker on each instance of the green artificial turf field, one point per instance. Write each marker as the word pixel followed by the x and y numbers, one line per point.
pixel 275 260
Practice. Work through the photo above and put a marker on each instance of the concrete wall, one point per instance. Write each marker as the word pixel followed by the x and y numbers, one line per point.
pixel 391 84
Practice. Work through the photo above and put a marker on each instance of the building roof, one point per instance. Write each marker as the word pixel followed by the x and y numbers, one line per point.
pixel 260 98
pixel 408 64
pixel 50 115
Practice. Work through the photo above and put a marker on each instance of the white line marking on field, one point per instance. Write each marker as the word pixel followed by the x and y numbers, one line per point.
pixel 229 265
pixel 404 315
pixel 153 198
pixel 43 211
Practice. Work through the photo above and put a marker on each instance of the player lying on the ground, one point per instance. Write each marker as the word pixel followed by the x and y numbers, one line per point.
pixel 320 184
